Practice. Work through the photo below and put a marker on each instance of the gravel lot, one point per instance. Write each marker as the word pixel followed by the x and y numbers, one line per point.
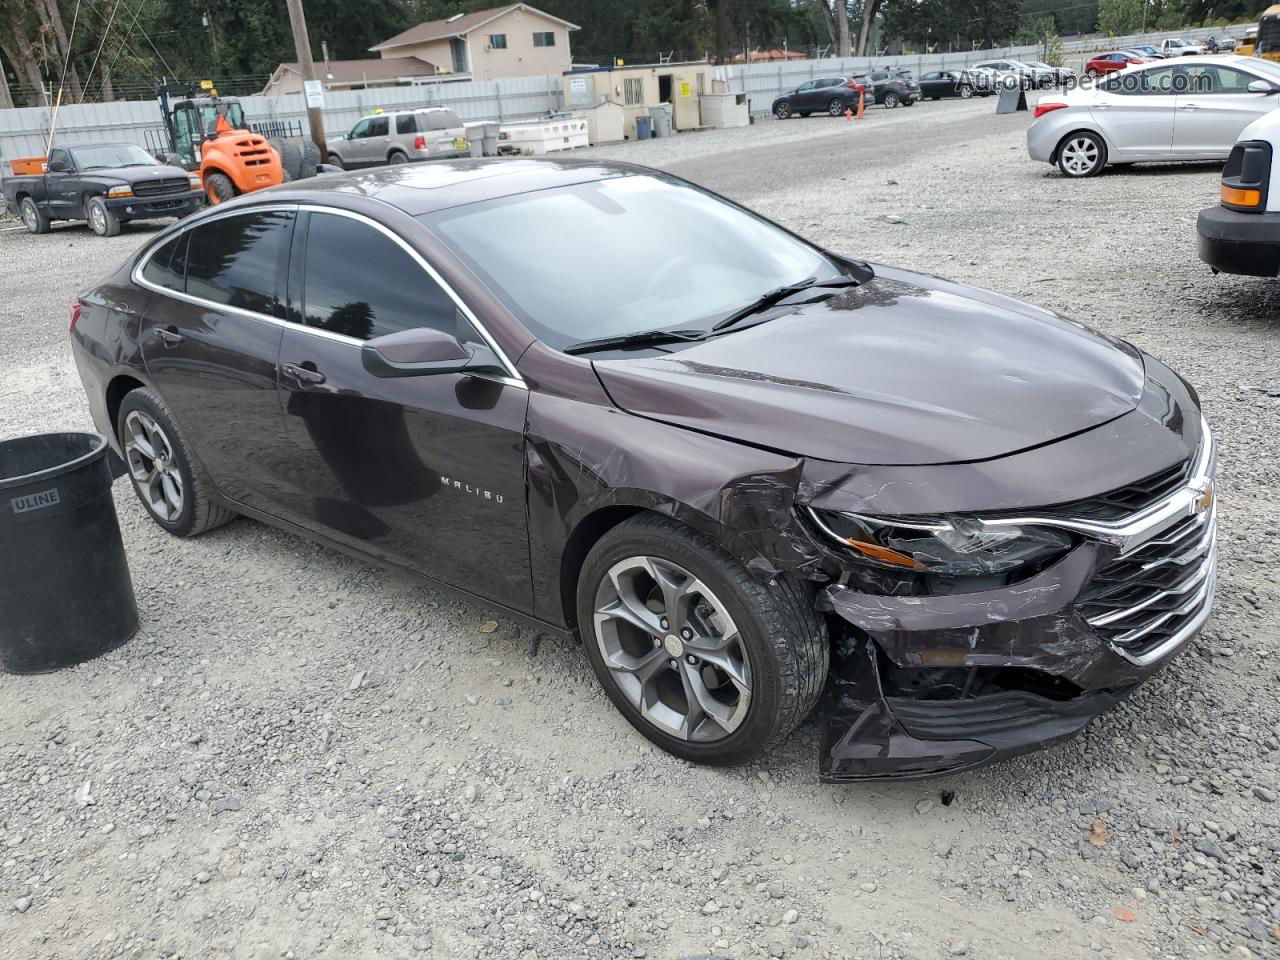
pixel 301 756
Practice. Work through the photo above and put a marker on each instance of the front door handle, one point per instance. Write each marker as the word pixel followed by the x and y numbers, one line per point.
pixel 1191 106
pixel 169 335
pixel 303 374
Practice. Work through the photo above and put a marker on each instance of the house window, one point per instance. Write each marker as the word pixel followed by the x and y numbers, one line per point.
pixel 498 41
pixel 547 39
pixel 633 91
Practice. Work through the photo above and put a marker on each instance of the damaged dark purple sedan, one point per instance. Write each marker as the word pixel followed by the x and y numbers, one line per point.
pixel 753 476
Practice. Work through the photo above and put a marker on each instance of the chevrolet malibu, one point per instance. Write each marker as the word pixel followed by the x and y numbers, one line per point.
pixel 754 476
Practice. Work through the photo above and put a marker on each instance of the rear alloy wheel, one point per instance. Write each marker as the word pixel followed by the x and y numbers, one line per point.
pixel 102 220
pixel 837 107
pixel 218 188
pixel 782 109
pixel 169 481
pixel 1082 154
pixel 703 659
pixel 891 100
pixel 35 219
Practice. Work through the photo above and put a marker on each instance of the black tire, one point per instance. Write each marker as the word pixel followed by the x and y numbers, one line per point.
pixel 1072 146
pixel 310 160
pixel 802 114
pixel 336 161
pixel 908 103
pixel 200 512
pixel 784 639
pixel 33 218
pixel 782 109
pixel 218 188
pixel 837 107
pixel 891 100
pixel 397 157
pixel 102 220
pixel 966 92
pixel 933 97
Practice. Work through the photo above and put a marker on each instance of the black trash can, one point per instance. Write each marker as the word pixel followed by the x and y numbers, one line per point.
pixel 65 591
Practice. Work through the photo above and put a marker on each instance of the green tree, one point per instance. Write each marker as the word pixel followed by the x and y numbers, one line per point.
pixel 1118 17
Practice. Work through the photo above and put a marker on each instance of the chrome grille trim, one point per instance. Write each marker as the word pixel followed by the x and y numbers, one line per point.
pixel 1179 532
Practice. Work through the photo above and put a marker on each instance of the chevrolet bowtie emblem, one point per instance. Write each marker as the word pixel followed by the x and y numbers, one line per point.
pixel 1206 498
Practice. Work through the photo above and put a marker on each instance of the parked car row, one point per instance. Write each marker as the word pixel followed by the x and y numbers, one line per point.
pixel 834 95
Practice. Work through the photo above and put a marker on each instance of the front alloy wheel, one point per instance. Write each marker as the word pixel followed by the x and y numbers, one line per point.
pixel 673 649
pixel 1082 154
pixel 706 660
pixel 891 100
pixel 782 109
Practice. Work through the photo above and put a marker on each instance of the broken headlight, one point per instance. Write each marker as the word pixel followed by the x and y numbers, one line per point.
pixel 948 546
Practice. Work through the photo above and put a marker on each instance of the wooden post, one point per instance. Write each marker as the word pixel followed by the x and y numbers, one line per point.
pixel 302 46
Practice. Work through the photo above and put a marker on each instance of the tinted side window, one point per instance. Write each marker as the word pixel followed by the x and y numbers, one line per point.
pixel 405 124
pixel 361 283
pixel 360 130
pixel 168 265
pixel 240 261
pixel 378 127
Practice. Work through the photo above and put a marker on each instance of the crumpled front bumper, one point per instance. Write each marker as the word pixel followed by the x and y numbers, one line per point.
pixel 926 685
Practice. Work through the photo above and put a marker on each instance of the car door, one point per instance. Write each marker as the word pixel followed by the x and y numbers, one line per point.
pixel 1136 113
pixel 355 151
pixel 1214 105
pixel 423 471
pixel 804 98
pixel 931 85
pixel 62 186
pixel 376 141
pixel 210 341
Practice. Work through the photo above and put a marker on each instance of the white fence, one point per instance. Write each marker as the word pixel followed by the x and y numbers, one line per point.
pixel 25 131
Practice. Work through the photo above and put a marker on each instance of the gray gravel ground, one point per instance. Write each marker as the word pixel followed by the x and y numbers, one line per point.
pixel 301 756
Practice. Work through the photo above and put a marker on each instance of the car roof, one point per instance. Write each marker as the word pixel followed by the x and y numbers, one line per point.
pixel 420 188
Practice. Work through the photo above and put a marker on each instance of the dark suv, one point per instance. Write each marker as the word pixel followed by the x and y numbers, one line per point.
pixel 829 95
pixel 744 472
pixel 891 88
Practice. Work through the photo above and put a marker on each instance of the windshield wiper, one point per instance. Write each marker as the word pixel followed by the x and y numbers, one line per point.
pixel 646 338
pixel 781 293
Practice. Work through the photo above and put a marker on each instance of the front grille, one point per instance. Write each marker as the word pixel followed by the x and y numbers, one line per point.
pixel 1145 597
pixel 161 186
pixel 1125 501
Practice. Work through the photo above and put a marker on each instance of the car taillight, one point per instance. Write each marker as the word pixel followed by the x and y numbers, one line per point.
pixel 1043 108
pixel 75 314
pixel 419 142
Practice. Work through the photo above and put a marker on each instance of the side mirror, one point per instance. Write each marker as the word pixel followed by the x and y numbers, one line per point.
pixel 1263 86
pixel 423 351
pixel 57 166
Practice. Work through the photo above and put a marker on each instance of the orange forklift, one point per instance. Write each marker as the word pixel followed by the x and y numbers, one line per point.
pixel 208 133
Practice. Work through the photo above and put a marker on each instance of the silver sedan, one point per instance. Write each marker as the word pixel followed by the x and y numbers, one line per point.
pixel 1162 111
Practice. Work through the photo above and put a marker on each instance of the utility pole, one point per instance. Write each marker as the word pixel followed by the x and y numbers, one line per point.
pixel 314 89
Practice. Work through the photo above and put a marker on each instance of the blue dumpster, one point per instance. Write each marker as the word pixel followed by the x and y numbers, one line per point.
pixel 644 127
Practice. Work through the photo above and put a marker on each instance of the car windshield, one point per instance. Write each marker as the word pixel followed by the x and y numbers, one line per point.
pixel 1264 66
pixel 648 253
pixel 112 155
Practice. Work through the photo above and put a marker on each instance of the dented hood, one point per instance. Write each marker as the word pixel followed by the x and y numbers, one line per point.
pixel 905 369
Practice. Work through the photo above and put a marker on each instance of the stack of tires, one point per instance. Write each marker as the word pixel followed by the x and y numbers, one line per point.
pixel 299 157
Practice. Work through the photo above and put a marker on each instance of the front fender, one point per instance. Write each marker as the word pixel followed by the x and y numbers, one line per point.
pixel 740 496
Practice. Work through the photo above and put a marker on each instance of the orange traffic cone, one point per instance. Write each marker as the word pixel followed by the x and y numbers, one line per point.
pixel 848 114
pixel 862 103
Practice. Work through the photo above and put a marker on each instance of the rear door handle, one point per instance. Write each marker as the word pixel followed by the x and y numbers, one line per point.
pixel 1191 106
pixel 169 335
pixel 303 374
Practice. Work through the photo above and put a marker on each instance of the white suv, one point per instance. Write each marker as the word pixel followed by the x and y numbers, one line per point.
pixel 400 137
